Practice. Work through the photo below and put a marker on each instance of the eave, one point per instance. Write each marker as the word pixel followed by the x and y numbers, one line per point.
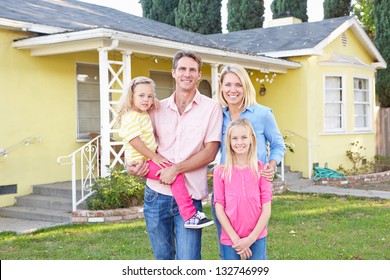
pixel 378 61
pixel 93 39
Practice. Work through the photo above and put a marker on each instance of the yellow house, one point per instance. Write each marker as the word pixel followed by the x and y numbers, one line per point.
pixel 65 64
pixel 327 103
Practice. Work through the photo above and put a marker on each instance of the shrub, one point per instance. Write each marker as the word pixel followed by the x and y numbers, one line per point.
pixel 382 163
pixel 117 190
pixel 360 164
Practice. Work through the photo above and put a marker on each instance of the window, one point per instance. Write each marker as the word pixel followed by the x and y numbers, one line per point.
pixel 362 104
pixel 334 112
pixel 165 84
pixel 88 100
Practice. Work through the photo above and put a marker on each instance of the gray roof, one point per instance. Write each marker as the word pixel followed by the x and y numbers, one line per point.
pixel 74 15
pixel 299 36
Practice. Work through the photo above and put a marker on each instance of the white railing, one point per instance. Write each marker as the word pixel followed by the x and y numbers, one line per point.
pixel 309 146
pixel 30 140
pixel 85 164
pixel 281 169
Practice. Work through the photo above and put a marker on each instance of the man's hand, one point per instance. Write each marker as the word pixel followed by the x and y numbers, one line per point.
pixel 167 175
pixel 269 171
pixel 138 168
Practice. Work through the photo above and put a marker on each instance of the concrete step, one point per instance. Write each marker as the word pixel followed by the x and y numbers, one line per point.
pixel 291 175
pixel 60 189
pixel 38 214
pixel 46 202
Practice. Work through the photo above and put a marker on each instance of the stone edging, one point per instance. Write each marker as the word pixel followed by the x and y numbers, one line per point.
pixel 128 214
pixel 355 180
pixel 108 216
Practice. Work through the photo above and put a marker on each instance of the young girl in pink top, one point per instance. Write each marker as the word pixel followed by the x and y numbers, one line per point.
pixel 137 132
pixel 242 197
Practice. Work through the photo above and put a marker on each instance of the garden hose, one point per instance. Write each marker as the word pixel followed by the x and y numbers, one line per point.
pixel 325 172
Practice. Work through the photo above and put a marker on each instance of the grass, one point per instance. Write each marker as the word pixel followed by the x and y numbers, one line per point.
pixel 302 227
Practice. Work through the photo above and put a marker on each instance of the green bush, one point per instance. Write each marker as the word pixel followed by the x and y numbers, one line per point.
pixel 382 163
pixel 117 190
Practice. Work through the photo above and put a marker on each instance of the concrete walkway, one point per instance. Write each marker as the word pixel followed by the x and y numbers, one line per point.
pixel 301 186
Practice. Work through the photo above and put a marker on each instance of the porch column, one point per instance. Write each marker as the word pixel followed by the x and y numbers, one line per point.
pixel 126 57
pixel 104 71
pixel 214 80
pixel 104 112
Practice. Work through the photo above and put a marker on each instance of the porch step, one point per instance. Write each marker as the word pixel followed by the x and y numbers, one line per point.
pixel 48 202
pixel 38 214
pixel 293 179
pixel 292 175
pixel 59 189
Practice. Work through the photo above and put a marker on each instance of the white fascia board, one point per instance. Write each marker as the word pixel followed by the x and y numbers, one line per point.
pixel 30 27
pixel 360 34
pixel 294 53
pixel 368 44
pixel 72 41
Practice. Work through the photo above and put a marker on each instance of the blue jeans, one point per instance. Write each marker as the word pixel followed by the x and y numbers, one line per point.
pixel 218 226
pixel 169 238
pixel 259 251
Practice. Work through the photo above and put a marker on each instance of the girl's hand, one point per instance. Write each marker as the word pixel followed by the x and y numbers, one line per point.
pixel 160 161
pixel 137 168
pixel 246 254
pixel 242 245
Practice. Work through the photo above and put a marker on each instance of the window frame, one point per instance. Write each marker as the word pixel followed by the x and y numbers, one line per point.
pixel 83 136
pixel 342 103
pixel 166 89
pixel 369 104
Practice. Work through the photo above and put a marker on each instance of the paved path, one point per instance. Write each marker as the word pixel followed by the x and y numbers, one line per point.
pixel 340 191
pixel 301 186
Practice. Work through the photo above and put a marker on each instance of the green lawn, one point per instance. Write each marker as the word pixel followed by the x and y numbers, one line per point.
pixel 302 227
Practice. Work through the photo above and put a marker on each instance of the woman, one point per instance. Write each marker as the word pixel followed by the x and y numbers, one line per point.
pixel 238 97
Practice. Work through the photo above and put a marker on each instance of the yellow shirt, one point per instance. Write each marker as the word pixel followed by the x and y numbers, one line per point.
pixel 136 124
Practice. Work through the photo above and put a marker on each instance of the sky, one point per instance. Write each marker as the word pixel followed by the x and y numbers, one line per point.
pixel 314 9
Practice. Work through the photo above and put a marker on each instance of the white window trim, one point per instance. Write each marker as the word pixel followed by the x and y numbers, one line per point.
pixel 81 139
pixel 343 104
pixel 371 107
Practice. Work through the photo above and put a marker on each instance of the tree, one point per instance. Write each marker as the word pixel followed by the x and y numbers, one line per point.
pixel 160 10
pixel 382 42
pixel 282 8
pixel 364 10
pixel 201 16
pixel 336 8
pixel 245 14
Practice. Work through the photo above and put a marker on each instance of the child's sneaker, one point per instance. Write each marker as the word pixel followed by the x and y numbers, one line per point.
pixel 199 220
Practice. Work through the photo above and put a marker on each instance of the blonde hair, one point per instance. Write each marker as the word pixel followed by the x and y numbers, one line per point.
pixel 230 160
pixel 248 88
pixel 126 101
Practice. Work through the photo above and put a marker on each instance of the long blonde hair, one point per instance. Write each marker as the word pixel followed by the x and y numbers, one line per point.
pixel 126 101
pixel 230 160
pixel 247 86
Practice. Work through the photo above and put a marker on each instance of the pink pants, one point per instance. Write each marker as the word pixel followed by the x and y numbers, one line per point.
pixel 179 191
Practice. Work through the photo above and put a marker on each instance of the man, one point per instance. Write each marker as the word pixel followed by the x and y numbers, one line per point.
pixel 188 132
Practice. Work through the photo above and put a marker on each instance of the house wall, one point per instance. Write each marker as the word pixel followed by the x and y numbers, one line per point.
pixel 297 101
pixel 302 102
pixel 38 99
pixel 286 96
pixel 330 148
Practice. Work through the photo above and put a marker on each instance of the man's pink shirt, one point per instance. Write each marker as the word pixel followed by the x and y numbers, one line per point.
pixel 181 136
